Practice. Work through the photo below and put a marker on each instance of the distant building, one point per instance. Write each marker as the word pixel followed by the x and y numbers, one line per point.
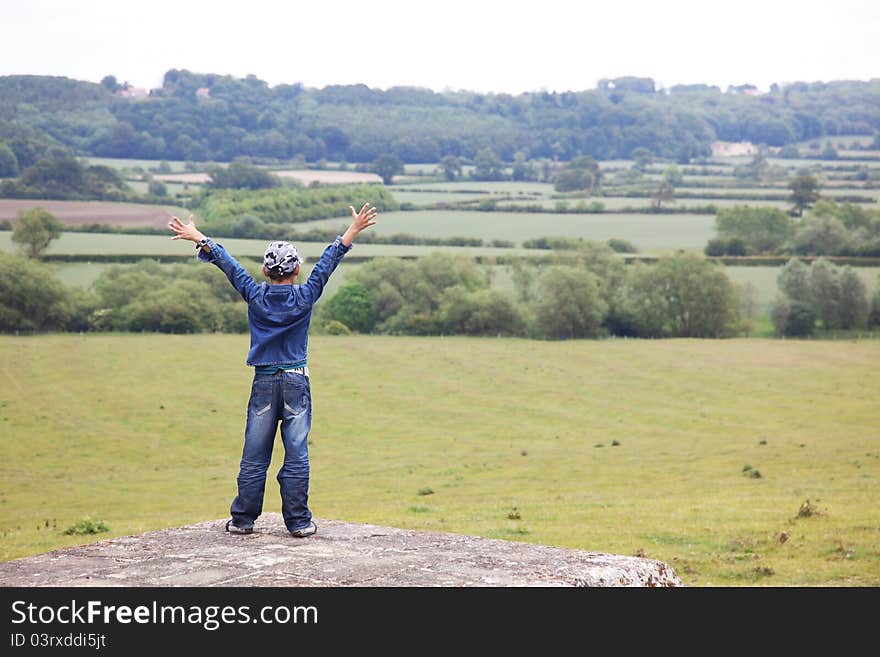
pixel 747 89
pixel 132 92
pixel 732 148
pixel 203 92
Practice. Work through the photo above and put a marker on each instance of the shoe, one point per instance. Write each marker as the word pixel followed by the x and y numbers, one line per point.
pixel 308 530
pixel 233 529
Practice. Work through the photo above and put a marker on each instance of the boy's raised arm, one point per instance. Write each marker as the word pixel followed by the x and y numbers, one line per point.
pixel 359 221
pixel 187 231
pixel 238 276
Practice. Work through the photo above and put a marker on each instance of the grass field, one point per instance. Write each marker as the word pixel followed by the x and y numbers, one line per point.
pixel 615 203
pixel 622 446
pixel 82 244
pixel 650 233
pixel 125 163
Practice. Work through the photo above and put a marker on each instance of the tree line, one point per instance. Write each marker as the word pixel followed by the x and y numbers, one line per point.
pixel 210 117
pixel 822 294
pixel 589 293
pixel 828 228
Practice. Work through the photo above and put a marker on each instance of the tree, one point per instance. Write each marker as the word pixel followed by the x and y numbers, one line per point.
pixel 487 165
pixel 825 289
pixel 8 162
pixel 351 305
pixel 34 230
pixel 239 175
pixel 820 235
pixel 804 192
pixel 874 316
pixel 110 83
pixel 31 296
pixel 522 168
pixel 643 158
pixel 480 312
pixel 853 305
pixel 387 166
pixel 572 180
pixel 569 304
pixel 451 167
pixel 762 229
pixel 756 169
pixel 157 188
pixel 794 282
pixel 672 175
pixel 680 296
pixel 580 174
pixel 792 318
pixel 829 152
pixel 663 194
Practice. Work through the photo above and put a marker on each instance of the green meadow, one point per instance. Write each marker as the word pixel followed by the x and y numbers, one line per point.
pixel 739 462
pixel 111 244
pixel 653 233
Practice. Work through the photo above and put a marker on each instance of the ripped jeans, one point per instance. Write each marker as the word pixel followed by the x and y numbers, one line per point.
pixel 283 397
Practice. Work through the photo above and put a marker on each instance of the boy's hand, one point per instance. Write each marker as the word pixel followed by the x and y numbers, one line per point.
pixel 359 221
pixel 184 231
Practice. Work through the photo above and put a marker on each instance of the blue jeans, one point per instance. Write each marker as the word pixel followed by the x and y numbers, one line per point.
pixel 283 397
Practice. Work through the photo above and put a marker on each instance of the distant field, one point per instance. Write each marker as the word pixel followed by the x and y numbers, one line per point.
pixel 665 232
pixel 621 446
pixel 430 198
pixel 142 187
pixel 305 176
pixel 501 187
pixel 619 202
pixel 124 163
pixel 75 213
pixel 182 177
pixel 158 245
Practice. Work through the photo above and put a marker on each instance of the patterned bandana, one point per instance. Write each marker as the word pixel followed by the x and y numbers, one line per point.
pixel 281 258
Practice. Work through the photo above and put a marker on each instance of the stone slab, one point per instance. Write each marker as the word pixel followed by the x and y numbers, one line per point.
pixel 340 554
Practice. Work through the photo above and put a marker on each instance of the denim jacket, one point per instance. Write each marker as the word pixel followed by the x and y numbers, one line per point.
pixel 278 315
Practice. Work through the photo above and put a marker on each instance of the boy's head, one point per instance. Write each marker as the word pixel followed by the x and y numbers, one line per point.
pixel 281 260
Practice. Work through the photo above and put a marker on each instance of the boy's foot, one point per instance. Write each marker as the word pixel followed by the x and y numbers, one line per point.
pixel 308 530
pixel 232 529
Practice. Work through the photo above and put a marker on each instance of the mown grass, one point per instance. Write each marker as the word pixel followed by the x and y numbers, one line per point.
pixel 649 232
pixel 144 431
pixel 87 244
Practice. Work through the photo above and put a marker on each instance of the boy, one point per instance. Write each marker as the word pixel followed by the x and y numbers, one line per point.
pixel 279 312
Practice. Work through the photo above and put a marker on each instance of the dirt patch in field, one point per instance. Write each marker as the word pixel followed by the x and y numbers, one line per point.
pixel 78 213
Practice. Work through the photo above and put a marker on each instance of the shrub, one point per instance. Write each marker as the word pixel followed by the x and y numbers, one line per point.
pixel 87 526
pixel 569 304
pixel 620 245
pixel 351 306
pixel 334 327
pixel 792 318
pixel 681 296
pixel 32 298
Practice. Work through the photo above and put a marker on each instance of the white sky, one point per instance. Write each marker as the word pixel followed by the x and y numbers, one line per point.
pixel 487 46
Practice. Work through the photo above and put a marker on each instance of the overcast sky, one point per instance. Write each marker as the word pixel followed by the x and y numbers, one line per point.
pixel 487 46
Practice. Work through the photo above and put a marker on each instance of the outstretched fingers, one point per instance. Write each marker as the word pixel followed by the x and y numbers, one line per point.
pixel 176 225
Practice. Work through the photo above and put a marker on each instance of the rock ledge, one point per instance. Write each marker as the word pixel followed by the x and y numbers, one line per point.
pixel 340 554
